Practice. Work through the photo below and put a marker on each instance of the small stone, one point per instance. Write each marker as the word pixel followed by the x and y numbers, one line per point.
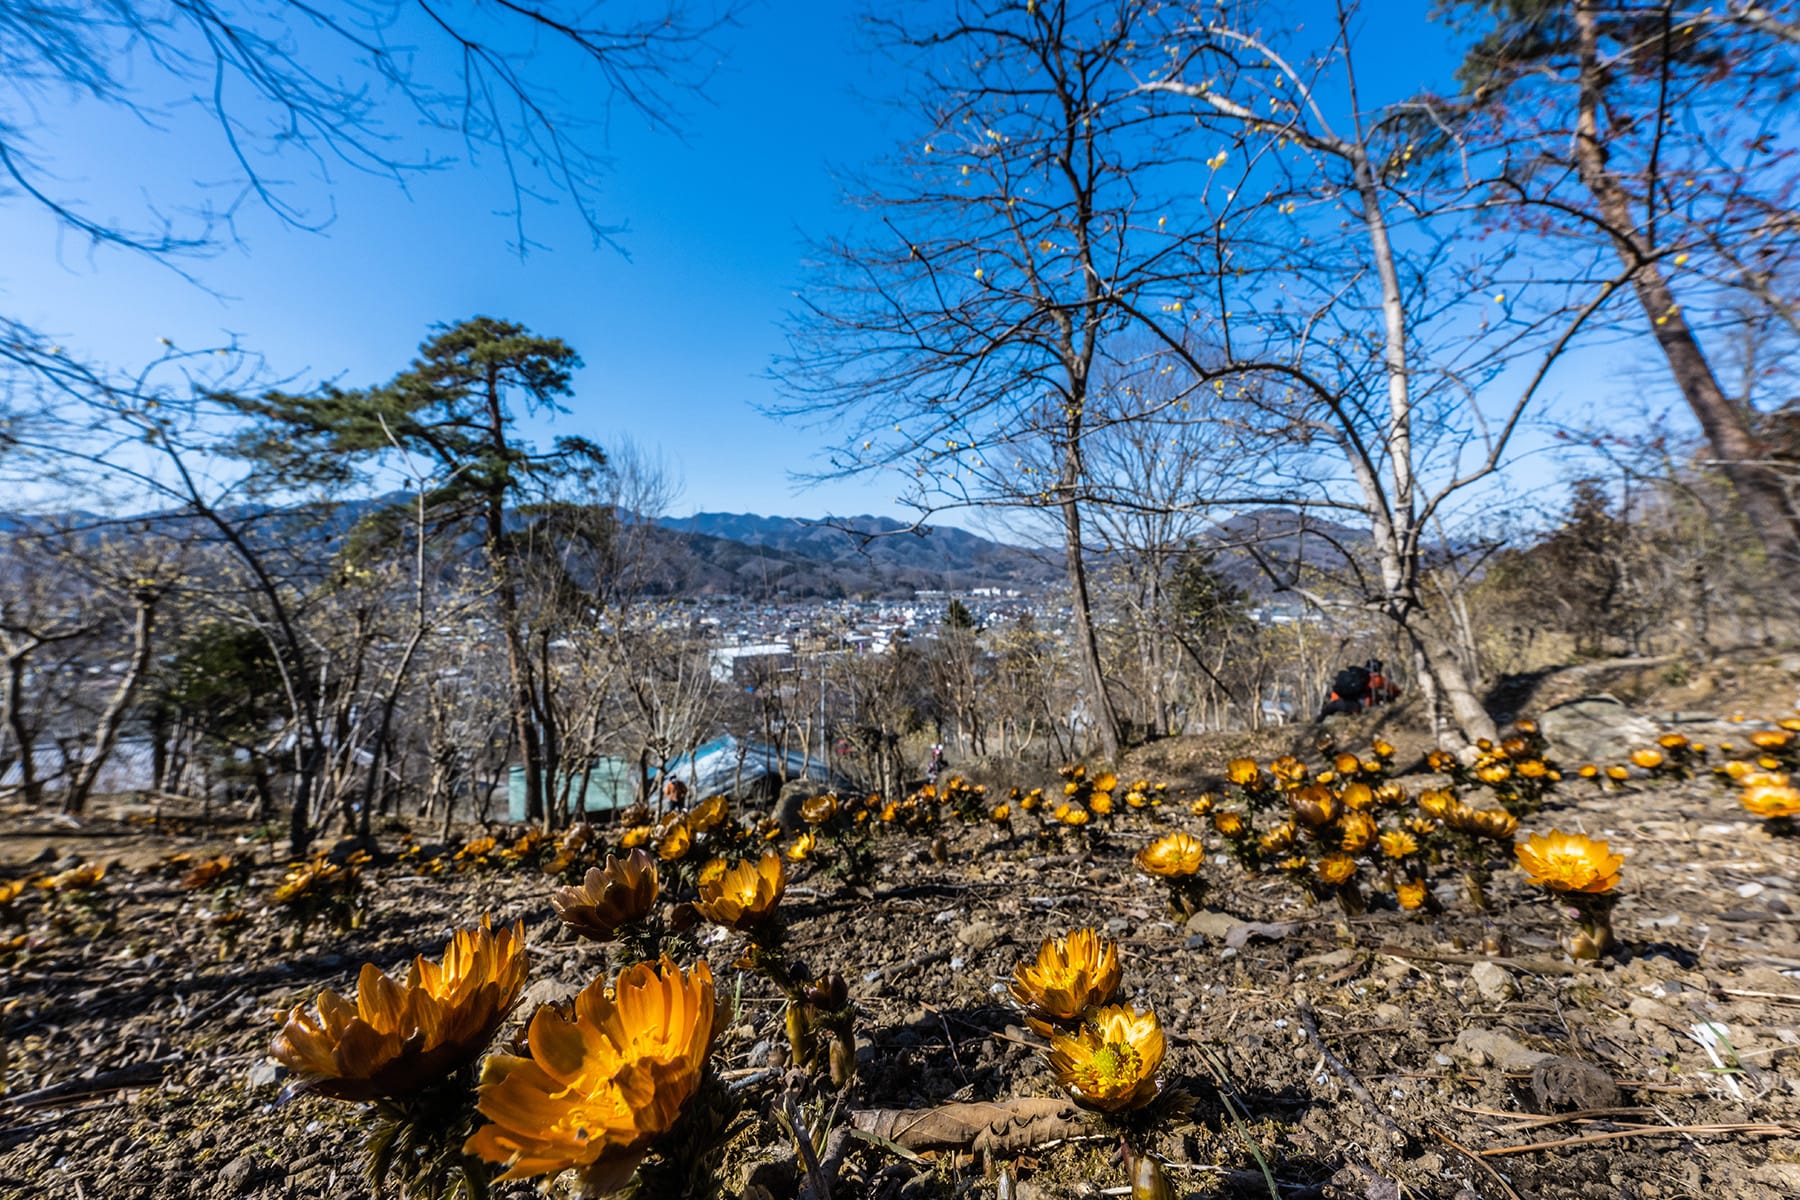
pixel 978 935
pixel 238 1174
pixel 264 1075
pixel 1212 926
pixel 1118 926
pixel 1494 982
pixel 1750 890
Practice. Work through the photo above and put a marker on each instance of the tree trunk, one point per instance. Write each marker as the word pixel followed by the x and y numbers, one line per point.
pixel 1106 719
pixel 1760 489
pixel 1438 656
pixel 106 733
pixel 30 790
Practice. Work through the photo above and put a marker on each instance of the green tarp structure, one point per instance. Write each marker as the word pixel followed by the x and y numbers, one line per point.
pixel 610 786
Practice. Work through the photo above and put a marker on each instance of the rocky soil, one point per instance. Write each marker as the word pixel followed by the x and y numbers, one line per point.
pixel 1386 1055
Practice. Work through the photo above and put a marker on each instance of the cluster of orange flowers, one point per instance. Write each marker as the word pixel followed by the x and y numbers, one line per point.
pixel 1106 1056
pixel 601 1082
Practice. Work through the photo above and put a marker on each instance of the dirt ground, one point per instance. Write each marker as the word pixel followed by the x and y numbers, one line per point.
pixel 1380 1056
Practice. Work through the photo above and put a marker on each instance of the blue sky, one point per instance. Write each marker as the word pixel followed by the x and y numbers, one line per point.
pixel 677 337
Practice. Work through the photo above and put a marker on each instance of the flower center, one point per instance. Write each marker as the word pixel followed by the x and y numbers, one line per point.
pixel 1115 1064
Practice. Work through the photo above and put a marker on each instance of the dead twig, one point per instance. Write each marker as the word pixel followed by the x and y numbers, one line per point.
pixel 1475 1158
pixel 1759 1129
pixel 1310 1023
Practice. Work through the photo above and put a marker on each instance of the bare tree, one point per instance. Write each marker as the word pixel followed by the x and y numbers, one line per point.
pixel 1654 129
pixel 1365 331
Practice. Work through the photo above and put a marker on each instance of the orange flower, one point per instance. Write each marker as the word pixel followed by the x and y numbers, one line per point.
pixel 1072 974
pixel 745 895
pixel 1313 805
pixel 1772 801
pixel 396 1038
pixel 1410 893
pixel 1647 759
pixel 1228 823
pixel 1383 748
pixel 1397 843
pixel 1356 831
pixel 708 814
pixel 623 892
pixel 675 843
pixel 599 1087
pixel 1173 855
pixel 1111 1064
pixel 1770 739
pixel 1279 839
pixel 816 810
pixel 1244 772
pixel 1569 862
pixel 1335 870
pixel 803 847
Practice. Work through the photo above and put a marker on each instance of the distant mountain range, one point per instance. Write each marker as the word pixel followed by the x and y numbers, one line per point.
pixel 774 557
pixel 855 555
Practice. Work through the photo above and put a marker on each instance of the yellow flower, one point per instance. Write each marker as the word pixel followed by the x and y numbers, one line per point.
pixel 1397 843
pixel 636 836
pixel 1410 893
pixel 1647 759
pixel 1202 804
pixel 803 847
pixel 1494 772
pixel 599 1086
pixel 1100 804
pixel 1072 974
pixel 1495 823
pixel 1437 801
pixel 1770 739
pixel 1001 813
pixel 1357 796
pixel 622 892
pixel 1229 823
pixel 1356 831
pixel 1772 801
pixel 1673 741
pixel 1382 748
pixel 1346 764
pixel 479 847
pixel 1278 839
pixel 819 809
pixel 708 814
pixel 1243 771
pixel 1072 815
pixel 1313 805
pixel 1105 782
pixel 1569 862
pixel 745 895
pixel 1617 773
pixel 1111 1064
pixel 10 890
pixel 396 1038
pixel 1588 771
pixel 1172 855
pixel 675 843
pixel 711 870
pixel 1532 768
pixel 1421 826
pixel 1288 768
pixel 1335 870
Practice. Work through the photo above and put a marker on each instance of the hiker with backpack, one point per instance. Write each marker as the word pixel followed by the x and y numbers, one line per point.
pixel 1349 693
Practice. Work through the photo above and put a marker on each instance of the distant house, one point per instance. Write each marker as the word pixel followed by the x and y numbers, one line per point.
pixel 751 663
pixel 611 785
pixel 727 766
